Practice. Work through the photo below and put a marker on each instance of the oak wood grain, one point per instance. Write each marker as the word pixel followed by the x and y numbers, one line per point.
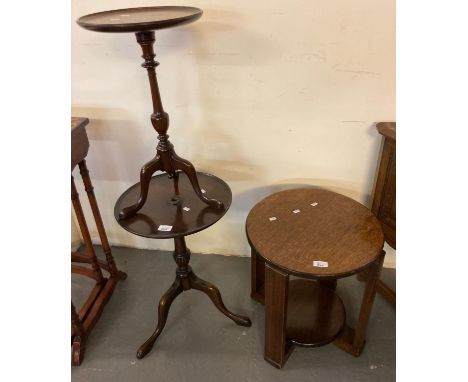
pixel 338 230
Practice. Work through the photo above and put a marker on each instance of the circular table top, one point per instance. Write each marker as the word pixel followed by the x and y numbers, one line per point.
pixel 314 233
pixel 161 209
pixel 139 19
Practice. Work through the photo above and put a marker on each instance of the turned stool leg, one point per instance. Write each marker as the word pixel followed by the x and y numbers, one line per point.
pixel 85 232
pixel 111 267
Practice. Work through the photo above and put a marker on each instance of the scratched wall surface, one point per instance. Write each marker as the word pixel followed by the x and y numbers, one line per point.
pixel 265 94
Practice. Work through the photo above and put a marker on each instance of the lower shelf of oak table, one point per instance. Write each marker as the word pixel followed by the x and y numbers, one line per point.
pixel 316 315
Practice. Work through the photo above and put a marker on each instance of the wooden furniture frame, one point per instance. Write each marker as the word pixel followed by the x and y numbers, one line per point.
pixel 84 321
pixel 161 198
pixel 308 312
pixel 384 197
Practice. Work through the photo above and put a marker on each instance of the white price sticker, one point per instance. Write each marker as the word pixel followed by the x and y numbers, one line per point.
pixel 165 228
pixel 273 218
pixel 320 264
pixel 186 209
pixel 296 211
pixel 313 204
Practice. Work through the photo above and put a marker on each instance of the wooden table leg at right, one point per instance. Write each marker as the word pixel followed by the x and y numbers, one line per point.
pixel 353 340
pixel 277 348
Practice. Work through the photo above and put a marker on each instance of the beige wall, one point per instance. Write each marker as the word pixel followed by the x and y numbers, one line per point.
pixel 265 94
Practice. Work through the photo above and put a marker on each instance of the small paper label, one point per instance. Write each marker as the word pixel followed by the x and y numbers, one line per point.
pixel 166 228
pixel 313 204
pixel 273 218
pixel 320 264
pixel 186 209
pixel 296 211
pixel 203 191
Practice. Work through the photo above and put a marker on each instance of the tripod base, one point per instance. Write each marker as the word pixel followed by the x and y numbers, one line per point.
pixel 186 280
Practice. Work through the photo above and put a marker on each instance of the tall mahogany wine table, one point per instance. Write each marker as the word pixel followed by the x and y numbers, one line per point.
pixel 143 21
pixel 318 236
pixel 173 210
pixel 180 201
pixel 84 321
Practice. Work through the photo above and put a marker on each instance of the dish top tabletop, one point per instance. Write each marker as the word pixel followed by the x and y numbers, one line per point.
pixel 314 233
pixel 139 19
pixel 165 215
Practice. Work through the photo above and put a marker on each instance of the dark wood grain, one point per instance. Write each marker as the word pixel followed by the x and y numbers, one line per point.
pixel 165 207
pixel 316 314
pixel 337 230
pixel 277 348
pixel 139 19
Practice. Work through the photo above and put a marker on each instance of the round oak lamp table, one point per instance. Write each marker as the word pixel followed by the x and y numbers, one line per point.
pixel 318 236
pixel 179 201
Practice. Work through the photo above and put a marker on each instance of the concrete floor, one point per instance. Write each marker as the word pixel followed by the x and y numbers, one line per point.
pixel 200 344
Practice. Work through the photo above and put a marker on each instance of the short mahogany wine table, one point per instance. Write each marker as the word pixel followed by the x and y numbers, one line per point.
pixel 318 236
pixel 172 203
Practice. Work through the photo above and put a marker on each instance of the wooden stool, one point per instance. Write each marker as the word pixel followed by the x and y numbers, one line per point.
pixel 84 321
pixel 316 235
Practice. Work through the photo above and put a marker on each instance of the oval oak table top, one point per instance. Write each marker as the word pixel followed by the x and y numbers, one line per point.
pixel 185 214
pixel 314 233
pixel 139 19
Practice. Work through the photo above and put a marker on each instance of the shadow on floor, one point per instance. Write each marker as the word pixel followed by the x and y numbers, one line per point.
pixel 200 344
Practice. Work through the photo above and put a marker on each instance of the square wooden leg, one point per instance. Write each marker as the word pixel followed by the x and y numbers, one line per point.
pixel 277 349
pixel 257 272
pixel 353 340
